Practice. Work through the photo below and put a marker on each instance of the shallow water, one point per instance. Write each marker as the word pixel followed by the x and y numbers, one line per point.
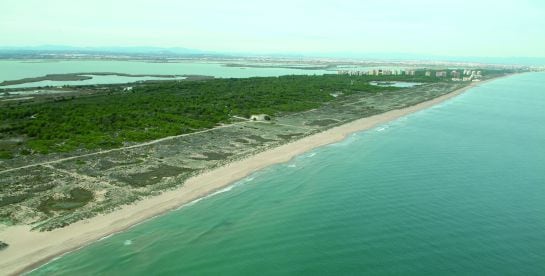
pixel 15 70
pixel 458 188
pixel 95 79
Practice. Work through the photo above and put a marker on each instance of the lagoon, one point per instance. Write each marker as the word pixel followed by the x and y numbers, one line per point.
pixel 16 69
pixel 94 79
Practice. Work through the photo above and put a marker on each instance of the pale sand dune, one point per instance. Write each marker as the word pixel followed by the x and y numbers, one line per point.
pixel 28 249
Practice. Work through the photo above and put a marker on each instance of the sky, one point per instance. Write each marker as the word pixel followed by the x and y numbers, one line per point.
pixel 500 28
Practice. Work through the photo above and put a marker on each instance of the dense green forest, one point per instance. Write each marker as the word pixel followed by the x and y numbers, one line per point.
pixel 152 111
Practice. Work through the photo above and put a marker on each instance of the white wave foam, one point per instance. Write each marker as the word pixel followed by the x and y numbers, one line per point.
pixel 226 189
pixel 220 191
pixel 105 237
pixel 190 203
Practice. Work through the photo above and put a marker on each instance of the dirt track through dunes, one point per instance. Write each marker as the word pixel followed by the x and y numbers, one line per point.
pixel 117 149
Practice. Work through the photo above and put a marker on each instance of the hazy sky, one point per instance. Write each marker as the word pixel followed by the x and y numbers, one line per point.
pixel 438 27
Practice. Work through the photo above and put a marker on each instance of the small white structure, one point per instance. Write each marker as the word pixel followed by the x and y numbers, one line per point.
pixel 260 117
pixel 336 94
pixel 128 88
pixel 441 74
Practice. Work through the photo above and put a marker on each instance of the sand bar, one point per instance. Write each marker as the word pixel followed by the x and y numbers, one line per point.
pixel 30 249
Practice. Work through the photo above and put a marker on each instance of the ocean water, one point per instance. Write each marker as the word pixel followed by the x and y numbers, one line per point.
pixel 455 189
pixel 14 70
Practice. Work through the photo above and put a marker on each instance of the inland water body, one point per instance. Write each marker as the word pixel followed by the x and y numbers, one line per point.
pixel 16 70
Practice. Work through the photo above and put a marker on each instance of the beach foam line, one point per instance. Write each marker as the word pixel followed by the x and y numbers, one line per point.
pixel 220 191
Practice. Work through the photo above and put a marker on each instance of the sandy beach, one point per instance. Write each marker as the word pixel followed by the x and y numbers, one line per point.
pixel 29 249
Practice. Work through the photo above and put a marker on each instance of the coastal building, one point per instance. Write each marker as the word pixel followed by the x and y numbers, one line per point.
pixel 428 73
pixel 260 117
pixel 440 74
pixel 355 72
pixel 378 72
pixel 455 74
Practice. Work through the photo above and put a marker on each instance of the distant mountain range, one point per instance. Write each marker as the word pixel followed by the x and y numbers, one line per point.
pixel 132 49
pixel 62 51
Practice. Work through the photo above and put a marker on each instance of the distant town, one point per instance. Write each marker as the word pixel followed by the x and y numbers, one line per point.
pixel 456 75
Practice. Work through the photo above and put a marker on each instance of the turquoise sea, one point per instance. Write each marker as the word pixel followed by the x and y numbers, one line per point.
pixel 457 189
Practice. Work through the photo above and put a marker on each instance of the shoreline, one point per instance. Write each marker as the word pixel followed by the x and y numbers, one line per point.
pixel 29 250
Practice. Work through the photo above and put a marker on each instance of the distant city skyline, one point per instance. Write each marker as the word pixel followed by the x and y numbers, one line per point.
pixel 438 28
